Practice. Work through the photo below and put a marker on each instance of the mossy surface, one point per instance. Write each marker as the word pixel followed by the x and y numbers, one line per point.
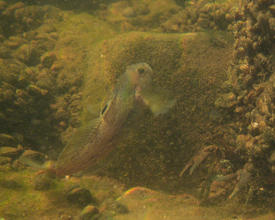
pixel 193 67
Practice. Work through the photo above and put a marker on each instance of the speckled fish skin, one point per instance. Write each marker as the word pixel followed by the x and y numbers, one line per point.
pixel 99 144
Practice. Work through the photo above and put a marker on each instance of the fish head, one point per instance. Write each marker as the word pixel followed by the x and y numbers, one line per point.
pixel 140 75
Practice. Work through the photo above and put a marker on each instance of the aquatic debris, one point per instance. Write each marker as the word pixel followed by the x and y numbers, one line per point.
pixel 221 170
pixel 95 140
pixel 198 158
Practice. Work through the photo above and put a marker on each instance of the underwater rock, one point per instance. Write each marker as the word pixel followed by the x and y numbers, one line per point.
pixel 20 93
pixel 8 94
pixel 10 44
pixel 23 53
pixel 75 120
pixel 35 91
pixel 81 196
pixel 5 53
pixel 3 5
pixel 74 97
pixel 226 101
pixel 4 160
pixel 7 140
pixel 30 35
pixel 54 35
pixel 43 182
pixel 272 9
pixel 61 114
pixel 113 205
pixel 88 212
pixel 141 8
pixel 44 83
pixel 46 28
pixel 9 77
pixel 48 59
pixel 129 12
pixel 56 66
pixel 8 151
pixel 203 22
pixel 17 40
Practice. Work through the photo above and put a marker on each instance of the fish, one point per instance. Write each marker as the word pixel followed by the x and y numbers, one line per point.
pixel 98 138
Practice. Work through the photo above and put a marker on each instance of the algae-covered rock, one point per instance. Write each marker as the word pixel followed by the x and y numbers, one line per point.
pixel 48 59
pixel 88 212
pixel 113 205
pixel 8 151
pixel 7 140
pixel 193 67
pixel 4 160
pixel 43 182
pixel 80 196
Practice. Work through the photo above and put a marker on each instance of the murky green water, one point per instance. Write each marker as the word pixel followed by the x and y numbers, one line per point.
pixel 208 155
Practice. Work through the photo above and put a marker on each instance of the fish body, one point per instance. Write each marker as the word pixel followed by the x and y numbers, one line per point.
pixel 95 140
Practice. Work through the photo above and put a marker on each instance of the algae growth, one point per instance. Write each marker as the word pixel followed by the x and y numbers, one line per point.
pixel 212 55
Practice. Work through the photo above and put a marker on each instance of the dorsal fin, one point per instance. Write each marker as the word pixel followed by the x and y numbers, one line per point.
pixel 78 140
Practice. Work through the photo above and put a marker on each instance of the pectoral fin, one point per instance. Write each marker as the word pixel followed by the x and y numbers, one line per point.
pixel 158 100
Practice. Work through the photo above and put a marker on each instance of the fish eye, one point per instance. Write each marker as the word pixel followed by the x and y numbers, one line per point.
pixel 141 71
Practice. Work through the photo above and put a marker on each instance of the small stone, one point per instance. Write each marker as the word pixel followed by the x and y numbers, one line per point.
pixel 33 90
pixel 3 5
pixel 226 101
pixel 7 140
pixel 113 205
pixel 88 212
pixel 30 35
pixel 4 160
pixel 272 8
pixel 203 22
pixel 8 151
pixel 61 114
pixel 5 53
pixel 129 12
pixel 23 53
pixel 141 8
pixel 43 182
pixel 81 196
pixel 54 35
pixel 48 59
pixel 46 28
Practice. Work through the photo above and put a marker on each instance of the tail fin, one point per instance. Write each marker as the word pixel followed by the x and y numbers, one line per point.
pixel 48 166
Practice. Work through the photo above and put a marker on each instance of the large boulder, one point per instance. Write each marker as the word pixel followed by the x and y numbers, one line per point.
pixel 193 66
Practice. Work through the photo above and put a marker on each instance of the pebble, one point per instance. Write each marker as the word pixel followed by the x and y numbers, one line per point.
pixel 88 212
pixel 43 182
pixel 129 12
pixel 80 196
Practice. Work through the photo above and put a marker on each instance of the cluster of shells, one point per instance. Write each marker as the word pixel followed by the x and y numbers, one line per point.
pixel 249 90
pixel 36 100
pixel 202 15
